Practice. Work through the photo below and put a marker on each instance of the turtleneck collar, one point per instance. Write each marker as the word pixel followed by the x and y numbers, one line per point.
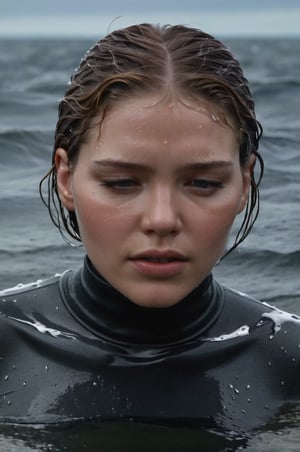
pixel 109 314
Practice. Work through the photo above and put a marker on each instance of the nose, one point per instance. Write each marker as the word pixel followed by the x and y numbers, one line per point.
pixel 161 212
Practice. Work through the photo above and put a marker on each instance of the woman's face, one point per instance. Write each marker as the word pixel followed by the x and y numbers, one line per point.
pixel 155 194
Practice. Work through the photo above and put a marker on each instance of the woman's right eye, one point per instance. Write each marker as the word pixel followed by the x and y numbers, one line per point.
pixel 120 184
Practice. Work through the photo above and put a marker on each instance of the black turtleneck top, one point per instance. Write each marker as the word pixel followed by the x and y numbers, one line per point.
pixel 72 347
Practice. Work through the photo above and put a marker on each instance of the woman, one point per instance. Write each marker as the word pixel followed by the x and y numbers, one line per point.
pixel 154 158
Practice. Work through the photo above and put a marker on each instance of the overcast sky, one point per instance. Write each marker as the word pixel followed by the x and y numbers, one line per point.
pixel 93 17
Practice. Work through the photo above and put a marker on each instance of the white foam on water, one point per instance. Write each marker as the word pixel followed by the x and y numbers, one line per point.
pixel 44 329
pixel 22 286
pixel 279 317
pixel 242 331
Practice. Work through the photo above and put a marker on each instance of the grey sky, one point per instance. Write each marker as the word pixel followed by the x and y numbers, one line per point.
pixel 91 17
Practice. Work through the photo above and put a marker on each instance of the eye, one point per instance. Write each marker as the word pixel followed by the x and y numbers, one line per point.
pixel 120 184
pixel 205 184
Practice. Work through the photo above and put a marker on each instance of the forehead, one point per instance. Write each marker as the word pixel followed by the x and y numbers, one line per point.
pixel 163 134
pixel 141 115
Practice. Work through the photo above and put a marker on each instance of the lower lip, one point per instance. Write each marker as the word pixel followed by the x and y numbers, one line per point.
pixel 158 269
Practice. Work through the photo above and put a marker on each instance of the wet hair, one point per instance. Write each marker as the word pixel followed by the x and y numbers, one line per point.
pixel 154 59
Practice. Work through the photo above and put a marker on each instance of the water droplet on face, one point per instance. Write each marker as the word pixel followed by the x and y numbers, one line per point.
pixel 215 117
pixel 165 141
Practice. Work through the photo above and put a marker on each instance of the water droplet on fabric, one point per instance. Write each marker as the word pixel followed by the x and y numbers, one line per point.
pixel 8 402
pixel 46 368
pixel 247 387
pixel 236 391
pixel 270 363
pixel 6 378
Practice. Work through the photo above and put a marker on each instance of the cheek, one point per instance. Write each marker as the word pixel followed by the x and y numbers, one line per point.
pixel 99 221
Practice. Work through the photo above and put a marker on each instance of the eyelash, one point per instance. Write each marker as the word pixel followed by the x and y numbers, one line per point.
pixel 119 184
pixel 205 184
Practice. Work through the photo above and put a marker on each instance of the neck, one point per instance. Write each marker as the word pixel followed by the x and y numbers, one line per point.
pixel 110 314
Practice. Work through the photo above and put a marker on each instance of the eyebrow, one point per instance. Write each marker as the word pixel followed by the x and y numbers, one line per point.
pixel 120 164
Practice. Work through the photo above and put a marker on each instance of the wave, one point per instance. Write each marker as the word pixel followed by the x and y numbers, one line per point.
pixel 21 147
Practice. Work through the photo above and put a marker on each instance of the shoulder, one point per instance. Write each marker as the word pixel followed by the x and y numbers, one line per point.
pixel 35 296
pixel 28 288
pixel 241 306
pixel 267 322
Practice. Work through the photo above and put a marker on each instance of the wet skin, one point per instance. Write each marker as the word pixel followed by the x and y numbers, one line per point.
pixel 155 192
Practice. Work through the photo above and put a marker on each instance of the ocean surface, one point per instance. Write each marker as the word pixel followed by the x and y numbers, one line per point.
pixel 33 77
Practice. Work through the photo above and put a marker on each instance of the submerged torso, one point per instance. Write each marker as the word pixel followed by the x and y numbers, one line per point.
pixel 74 348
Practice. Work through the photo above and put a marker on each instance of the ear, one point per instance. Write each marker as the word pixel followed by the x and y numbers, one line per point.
pixel 247 172
pixel 64 178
